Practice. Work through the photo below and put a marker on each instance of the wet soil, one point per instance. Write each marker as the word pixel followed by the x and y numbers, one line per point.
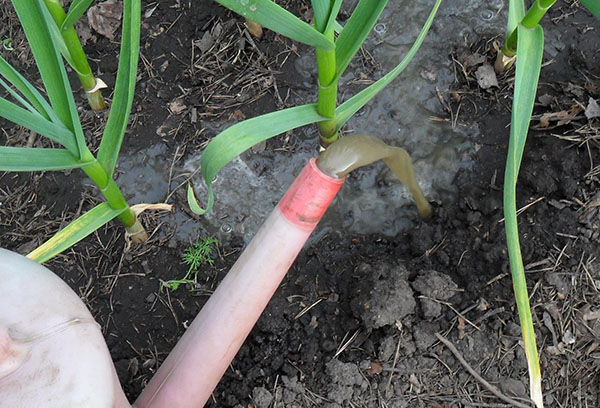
pixel 354 322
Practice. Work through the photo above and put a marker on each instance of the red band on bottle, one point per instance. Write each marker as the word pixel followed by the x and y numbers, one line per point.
pixel 309 196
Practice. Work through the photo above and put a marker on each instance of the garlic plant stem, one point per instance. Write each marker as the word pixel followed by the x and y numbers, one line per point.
pixel 78 58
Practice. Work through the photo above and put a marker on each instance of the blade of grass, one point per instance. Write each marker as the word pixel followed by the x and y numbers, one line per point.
pixel 278 19
pixel 74 232
pixel 356 30
pixel 50 65
pixel 516 12
pixel 58 39
pixel 352 105
pixel 76 10
pixel 240 137
pixel 335 9
pixel 337 27
pixel 27 90
pixel 593 6
pixel 34 159
pixel 321 13
pixel 25 103
pixel 530 49
pixel 39 124
pixel 118 117
pixel 325 13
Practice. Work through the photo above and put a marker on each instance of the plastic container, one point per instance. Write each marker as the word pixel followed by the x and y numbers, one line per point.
pixel 52 352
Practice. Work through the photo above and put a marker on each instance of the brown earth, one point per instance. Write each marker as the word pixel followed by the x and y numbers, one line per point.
pixel 354 322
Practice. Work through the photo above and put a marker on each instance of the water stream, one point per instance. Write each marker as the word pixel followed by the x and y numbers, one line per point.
pixel 405 114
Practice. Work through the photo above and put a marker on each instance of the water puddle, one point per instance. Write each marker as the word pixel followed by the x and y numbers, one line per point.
pixel 143 176
pixel 405 114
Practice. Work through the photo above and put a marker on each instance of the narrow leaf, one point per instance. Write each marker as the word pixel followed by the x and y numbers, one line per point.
pixel 240 137
pixel 76 10
pixel 193 202
pixel 337 27
pixel 325 13
pixel 74 232
pixel 526 80
pixel 39 124
pixel 19 98
pixel 352 105
pixel 50 65
pixel 46 56
pixel 34 159
pixel 321 13
pixel 278 19
pixel 593 6
pixel 530 49
pixel 124 87
pixel 27 90
pixel 516 12
pixel 58 39
pixel 331 22
pixel 355 32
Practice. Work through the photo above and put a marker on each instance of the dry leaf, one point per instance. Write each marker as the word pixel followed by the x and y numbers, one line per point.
pixel 177 107
pixel 591 88
pixel 461 328
pixel 84 32
pixel 513 388
pixel 105 17
pixel 546 100
pixel 162 130
pixel 592 110
pixel 254 28
pixel 206 42
pixel 375 368
pixel 592 315
pixel 563 117
pixel 259 147
pixel 164 66
pixel 237 115
pixel 140 208
pixel 415 382
pixel 486 76
pixel 473 60
pixel 148 13
pixel 568 337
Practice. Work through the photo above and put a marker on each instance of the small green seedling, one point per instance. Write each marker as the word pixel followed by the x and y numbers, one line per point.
pixel 195 255
pixel 7 44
